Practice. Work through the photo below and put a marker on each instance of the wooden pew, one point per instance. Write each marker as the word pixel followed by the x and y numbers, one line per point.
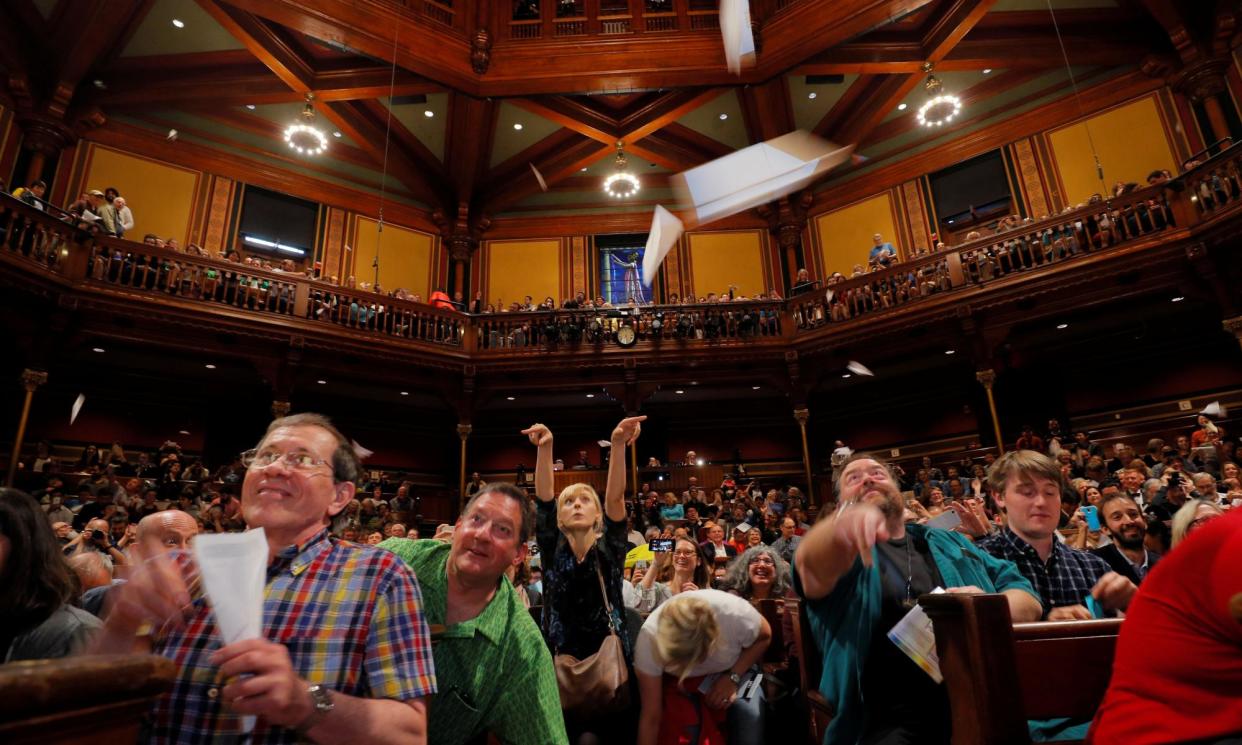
pixel 80 699
pixel 810 670
pixel 1000 674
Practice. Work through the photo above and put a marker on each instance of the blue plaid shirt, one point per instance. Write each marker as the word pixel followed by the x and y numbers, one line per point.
pixel 1067 577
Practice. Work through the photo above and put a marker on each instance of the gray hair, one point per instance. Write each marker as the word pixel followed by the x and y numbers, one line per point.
pixel 345 463
pixel 737 577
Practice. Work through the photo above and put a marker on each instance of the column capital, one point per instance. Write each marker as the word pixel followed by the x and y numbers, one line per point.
pixel 32 379
pixel 801 415
pixel 280 409
pixel 464 430
pixel 986 377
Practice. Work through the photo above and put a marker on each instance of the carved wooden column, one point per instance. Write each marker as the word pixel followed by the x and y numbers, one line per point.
pixel 463 431
pixel 44 137
pixel 987 378
pixel 802 415
pixel 1204 82
pixel 31 380
pixel 786 221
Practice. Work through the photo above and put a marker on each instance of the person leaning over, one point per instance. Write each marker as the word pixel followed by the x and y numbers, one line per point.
pixel 345 654
pixel 492 668
pixel 860 571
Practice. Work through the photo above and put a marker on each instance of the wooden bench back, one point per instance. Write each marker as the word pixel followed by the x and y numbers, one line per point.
pixel 999 675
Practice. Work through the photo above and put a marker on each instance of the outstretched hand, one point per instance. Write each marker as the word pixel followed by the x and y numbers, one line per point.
pixel 627 430
pixel 538 434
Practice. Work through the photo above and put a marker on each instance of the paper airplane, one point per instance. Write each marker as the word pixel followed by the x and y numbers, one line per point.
pixel 735 31
pixel 360 451
pixel 539 177
pixel 859 368
pixel 665 230
pixel 603 443
pixel 756 175
pixel 1215 410
pixel 77 407
pixel 172 135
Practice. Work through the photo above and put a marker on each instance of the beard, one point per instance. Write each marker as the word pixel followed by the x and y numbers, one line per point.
pixel 891 505
pixel 1133 543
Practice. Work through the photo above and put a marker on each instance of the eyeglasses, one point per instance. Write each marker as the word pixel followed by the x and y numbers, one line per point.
pixel 299 459
pixel 685 552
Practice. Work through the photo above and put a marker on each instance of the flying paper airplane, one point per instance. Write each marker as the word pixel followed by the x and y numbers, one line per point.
pixel 539 177
pixel 77 407
pixel 665 230
pixel 360 451
pixel 172 135
pixel 859 368
pixel 1215 410
pixel 739 40
pixel 756 175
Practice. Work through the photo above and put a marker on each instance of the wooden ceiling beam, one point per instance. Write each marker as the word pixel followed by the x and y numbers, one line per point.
pixel 767 110
pixel 90 34
pixel 569 158
pixel 361 125
pixel 469 132
pixel 1174 22
pixel 572 114
pixel 877 96
pixel 948 29
pixel 272 49
pixel 663 111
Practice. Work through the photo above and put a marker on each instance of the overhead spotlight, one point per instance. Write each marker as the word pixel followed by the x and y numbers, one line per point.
pixel 987 70
pixel 846 375
pixel 322 382
pixel 699 462
pixel 210 366
pixel 812 95
pixel 183 431
pixel 178 23
pixel 1177 299
pixel 754 387
pixel 680 392
pixel 584 170
pixel 723 117
pixel 590 395
pixel 510 398
pixel 336 134
pixel 950 351
pixel 250 106
pixel 517 126
pixel 429 113
pixel 902 107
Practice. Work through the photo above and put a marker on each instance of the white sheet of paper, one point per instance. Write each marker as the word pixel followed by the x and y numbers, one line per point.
pixel 233 568
pixel 859 368
pixel 735 32
pixel 947 520
pixel 603 443
pixel 756 175
pixel 1215 410
pixel 914 635
pixel 77 407
pixel 744 527
pixel 666 228
pixel 543 184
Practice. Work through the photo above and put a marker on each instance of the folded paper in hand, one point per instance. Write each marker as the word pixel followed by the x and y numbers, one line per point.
pixel 915 636
pixel 756 175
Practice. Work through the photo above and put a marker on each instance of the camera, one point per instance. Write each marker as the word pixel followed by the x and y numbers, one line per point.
pixel 98 535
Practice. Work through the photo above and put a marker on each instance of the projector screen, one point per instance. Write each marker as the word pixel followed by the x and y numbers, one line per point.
pixel 278 219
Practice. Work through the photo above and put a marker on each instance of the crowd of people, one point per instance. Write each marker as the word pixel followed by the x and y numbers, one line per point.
pixel 574 617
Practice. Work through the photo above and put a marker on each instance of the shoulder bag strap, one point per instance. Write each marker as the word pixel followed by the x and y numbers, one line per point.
pixel 599 572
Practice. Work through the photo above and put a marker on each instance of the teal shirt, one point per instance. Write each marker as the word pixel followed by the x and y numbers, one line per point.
pixel 843 622
pixel 494 672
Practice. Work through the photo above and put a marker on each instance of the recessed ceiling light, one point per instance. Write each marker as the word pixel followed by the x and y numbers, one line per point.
pixel 590 395
pixel 987 70
pixel 100 84
pixel 183 431
pixel 210 366
pixel 846 375
pixel 510 398
pixel 723 117
pixel 517 126
pixel 680 392
pixel 1062 325
pixel 950 351
pixel 812 95
pixel 1177 299
pixel 97 349
pixel 322 382
pixel 901 107
pixel 336 134
pixel 584 170
pixel 178 23
pixel 754 387
pixel 405 393
pixel 428 113
pixel 250 106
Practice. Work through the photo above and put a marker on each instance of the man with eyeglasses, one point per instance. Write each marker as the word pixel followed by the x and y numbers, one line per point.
pixel 345 654
pixel 493 668
pixel 860 571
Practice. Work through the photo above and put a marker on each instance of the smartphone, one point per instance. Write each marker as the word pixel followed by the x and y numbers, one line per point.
pixel 662 545
pixel 1093 516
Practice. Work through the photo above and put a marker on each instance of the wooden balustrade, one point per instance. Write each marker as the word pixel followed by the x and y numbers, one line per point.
pixel 607 19
pixel 382 315
pixel 36 237
pixel 1029 246
pixel 1217 183
pixel 538 330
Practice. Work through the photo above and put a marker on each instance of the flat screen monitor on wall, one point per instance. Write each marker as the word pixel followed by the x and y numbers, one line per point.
pixel 277 224
pixel 971 191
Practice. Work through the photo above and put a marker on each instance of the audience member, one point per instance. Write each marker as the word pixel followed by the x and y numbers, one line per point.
pixel 690 572
pixel 758 574
pixel 1191 516
pixel 1127 553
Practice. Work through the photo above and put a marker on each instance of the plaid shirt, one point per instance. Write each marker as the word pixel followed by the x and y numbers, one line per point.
pixel 1067 577
pixel 351 617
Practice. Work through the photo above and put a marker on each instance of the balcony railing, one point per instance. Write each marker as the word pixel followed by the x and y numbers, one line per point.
pixel 552 19
pixel 48 249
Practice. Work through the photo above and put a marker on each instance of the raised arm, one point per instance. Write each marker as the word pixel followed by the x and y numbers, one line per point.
pixel 541 437
pixel 626 433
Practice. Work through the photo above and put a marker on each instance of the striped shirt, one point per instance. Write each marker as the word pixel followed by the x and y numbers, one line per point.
pixel 351 617
pixel 1065 579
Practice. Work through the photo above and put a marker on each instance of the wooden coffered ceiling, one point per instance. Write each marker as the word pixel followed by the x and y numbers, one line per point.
pixel 234 75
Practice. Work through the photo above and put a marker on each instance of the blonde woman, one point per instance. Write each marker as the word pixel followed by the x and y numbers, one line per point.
pixel 696 634
pixel 689 573
pixel 580 541
pixel 1193 515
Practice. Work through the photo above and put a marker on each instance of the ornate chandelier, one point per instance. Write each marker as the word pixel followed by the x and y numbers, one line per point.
pixel 304 136
pixel 940 108
pixel 621 184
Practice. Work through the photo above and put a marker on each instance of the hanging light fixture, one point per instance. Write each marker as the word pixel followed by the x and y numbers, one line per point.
pixel 621 184
pixel 941 107
pixel 304 136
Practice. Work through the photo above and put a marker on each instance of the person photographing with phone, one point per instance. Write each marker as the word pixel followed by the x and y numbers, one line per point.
pixel 860 571
pixel 690 572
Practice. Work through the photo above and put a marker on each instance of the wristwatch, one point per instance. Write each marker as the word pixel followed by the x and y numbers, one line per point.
pixel 321 698
pixel 736 678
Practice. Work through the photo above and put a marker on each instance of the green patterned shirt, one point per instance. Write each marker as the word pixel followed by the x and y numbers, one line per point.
pixel 494 672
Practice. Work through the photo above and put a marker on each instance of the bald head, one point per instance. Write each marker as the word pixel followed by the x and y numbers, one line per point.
pixel 167 530
pixel 92 569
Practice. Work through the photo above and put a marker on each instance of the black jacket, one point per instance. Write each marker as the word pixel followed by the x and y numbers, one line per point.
pixel 1121 565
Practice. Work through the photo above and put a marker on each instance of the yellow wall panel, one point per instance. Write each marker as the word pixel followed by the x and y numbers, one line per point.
pixel 161 196
pixel 718 260
pixel 516 269
pixel 1131 142
pixel 845 235
pixel 404 257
